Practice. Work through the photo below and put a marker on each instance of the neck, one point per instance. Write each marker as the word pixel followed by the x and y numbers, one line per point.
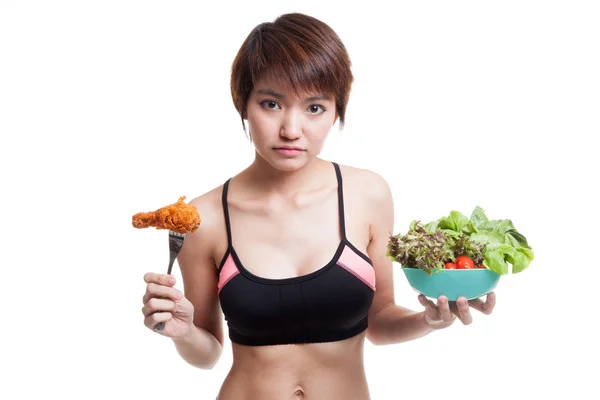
pixel 270 180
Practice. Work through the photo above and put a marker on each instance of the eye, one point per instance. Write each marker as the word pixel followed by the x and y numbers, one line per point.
pixel 270 104
pixel 314 109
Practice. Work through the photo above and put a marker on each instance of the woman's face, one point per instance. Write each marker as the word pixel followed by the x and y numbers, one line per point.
pixel 288 131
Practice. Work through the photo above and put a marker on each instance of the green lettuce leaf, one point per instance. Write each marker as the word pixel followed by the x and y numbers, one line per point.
pixel 520 259
pixel 431 227
pixel 498 241
pixel 478 217
pixel 498 225
pixel 495 257
pixel 456 221
pixel 521 240
pixel 488 237
pixel 494 260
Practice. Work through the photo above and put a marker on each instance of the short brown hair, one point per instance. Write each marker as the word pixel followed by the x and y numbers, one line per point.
pixel 303 51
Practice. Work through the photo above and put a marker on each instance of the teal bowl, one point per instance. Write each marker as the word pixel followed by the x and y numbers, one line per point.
pixel 452 283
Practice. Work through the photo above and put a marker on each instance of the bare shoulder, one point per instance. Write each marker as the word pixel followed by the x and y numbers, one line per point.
pixel 370 185
pixel 209 206
pixel 211 231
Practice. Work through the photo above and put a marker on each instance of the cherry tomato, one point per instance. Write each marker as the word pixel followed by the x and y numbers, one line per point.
pixel 450 266
pixel 464 262
pixel 481 266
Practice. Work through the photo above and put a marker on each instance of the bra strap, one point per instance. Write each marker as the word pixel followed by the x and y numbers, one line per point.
pixel 226 211
pixel 338 173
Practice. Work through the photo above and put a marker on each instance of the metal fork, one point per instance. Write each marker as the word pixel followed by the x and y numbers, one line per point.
pixel 175 243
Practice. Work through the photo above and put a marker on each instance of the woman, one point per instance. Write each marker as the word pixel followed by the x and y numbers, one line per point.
pixel 292 249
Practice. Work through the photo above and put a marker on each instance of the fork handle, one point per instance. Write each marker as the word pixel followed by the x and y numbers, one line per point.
pixel 161 325
pixel 171 261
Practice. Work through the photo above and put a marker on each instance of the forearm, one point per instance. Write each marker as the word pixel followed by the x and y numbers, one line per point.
pixel 394 324
pixel 199 348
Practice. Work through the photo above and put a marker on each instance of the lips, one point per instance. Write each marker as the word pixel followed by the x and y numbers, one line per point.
pixel 289 150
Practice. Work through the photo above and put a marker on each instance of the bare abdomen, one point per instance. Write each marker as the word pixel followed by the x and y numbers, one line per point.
pixel 317 371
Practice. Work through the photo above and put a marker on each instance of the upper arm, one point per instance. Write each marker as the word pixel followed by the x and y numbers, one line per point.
pixel 381 209
pixel 198 269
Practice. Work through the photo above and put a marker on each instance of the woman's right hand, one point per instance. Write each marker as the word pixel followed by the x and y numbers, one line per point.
pixel 164 303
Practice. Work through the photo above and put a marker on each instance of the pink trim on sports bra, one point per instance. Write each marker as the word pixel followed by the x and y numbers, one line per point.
pixel 228 272
pixel 349 259
pixel 358 266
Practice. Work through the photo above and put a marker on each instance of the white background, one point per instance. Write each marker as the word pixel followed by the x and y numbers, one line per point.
pixel 108 108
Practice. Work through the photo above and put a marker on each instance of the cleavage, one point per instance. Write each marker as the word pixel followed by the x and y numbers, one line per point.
pixel 280 242
pixel 275 261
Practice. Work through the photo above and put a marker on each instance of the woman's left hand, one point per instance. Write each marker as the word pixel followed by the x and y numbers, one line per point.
pixel 443 314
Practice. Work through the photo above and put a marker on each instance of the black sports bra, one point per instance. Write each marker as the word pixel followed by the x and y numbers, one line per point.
pixel 327 305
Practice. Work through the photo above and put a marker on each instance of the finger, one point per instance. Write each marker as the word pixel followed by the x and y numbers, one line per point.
pixel 155 305
pixel 431 311
pixel 490 302
pixel 463 312
pixel 478 304
pixel 425 302
pixel 161 279
pixel 155 290
pixel 487 307
pixel 154 319
pixel 444 309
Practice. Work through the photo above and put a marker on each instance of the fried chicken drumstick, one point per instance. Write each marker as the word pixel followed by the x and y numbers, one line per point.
pixel 177 217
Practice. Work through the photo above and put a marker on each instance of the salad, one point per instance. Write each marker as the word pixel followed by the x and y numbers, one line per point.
pixel 457 241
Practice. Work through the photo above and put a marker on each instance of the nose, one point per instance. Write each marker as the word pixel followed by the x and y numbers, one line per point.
pixel 291 125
